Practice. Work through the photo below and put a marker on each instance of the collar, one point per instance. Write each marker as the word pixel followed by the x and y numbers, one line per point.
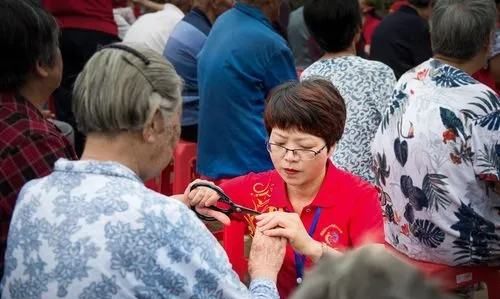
pixel 325 198
pixel 438 68
pixel 21 105
pixel 105 168
pixel 200 13
pixel 253 12
pixel 409 10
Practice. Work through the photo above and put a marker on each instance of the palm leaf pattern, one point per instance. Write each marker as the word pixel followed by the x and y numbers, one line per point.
pixel 490 107
pixel 489 159
pixel 451 121
pixel 477 241
pixel 381 169
pixel 433 188
pixel 427 233
pixel 398 100
pixel 447 76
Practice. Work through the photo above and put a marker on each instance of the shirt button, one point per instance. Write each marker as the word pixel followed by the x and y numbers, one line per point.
pixel 308 210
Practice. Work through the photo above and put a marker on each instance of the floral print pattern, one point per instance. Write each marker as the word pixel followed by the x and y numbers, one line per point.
pixel 93 230
pixel 436 159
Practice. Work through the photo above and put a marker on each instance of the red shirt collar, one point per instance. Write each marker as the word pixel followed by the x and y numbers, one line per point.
pixel 324 198
pixel 21 104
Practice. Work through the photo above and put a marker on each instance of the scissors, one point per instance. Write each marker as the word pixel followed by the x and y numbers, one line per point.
pixel 229 207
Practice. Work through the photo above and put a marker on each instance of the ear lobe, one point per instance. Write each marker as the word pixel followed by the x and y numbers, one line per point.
pixel 40 69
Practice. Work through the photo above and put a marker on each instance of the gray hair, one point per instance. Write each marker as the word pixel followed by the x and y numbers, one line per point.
pixel 460 28
pixel 121 89
pixel 367 272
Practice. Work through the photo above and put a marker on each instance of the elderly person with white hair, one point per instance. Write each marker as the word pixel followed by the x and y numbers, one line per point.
pixel 91 229
pixel 437 151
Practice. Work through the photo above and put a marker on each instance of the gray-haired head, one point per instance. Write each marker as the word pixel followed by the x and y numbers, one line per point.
pixel 461 28
pixel 367 272
pixel 121 87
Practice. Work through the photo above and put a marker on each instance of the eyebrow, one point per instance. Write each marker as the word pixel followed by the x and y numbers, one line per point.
pixel 295 139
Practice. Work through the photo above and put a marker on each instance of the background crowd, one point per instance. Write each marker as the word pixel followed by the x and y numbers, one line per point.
pixel 343 123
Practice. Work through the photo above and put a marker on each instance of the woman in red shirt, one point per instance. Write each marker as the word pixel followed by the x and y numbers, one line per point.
pixel 305 199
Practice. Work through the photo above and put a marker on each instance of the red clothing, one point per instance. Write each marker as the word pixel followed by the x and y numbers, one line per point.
pixel 484 76
pixel 350 212
pixel 94 15
pixel 29 146
pixel 369 26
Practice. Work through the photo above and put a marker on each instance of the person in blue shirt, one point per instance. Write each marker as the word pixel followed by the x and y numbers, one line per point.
pixel 182 48
pixel 242 60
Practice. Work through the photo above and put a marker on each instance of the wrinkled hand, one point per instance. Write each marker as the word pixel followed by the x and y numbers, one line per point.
pixel 289 226
pixel 266 256
pixel 48 114
pixel 201 198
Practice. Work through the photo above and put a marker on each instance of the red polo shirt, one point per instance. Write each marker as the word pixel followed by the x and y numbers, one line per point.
pixel 94 15
pixel 350 212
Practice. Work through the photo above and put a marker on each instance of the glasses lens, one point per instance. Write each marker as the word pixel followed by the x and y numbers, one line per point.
pixel 275 149
pixel 305 154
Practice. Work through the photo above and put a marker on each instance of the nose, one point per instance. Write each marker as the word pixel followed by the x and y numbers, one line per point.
pixel 290 155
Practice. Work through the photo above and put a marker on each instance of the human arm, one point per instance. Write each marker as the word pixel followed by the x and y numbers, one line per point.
pixel 198 257
pixel 150 5
pixel 280 69
pixel 289 226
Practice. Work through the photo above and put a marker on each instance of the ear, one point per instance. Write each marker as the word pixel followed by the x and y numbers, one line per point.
pixel 41 69
pixel 152 129
pixel 331 151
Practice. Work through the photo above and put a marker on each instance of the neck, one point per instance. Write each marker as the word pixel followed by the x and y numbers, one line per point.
pixel 351 51
pixel 469 66
pixel 301 196
pixel 35 94
pixel 422 11
pixel 119 148
pixel 208 12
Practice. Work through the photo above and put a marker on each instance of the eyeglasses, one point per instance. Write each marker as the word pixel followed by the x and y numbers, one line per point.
pixel 302 154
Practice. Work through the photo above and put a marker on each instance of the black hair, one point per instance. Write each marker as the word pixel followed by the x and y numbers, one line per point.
pixel 333 23
pixel 28 34
pixel 420 3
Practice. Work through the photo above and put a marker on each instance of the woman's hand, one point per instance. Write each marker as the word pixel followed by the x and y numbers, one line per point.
pixel 266 256
pixel 201 198
pixel 289 226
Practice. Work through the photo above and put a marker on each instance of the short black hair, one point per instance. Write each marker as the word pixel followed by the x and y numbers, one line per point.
pixel 28 34
pixel 420 3
pixel 333 23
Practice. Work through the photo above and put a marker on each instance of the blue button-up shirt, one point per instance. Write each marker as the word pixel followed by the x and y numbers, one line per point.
pixel 92 230
pixel 242 60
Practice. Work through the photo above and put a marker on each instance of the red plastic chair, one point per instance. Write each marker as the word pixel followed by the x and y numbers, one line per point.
pixel 232 238
pixel 457 277
pixel 184 168
pixel 179 173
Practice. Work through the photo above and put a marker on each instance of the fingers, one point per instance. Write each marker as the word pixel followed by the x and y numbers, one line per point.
pixel 279 232
pixel 221 217
pixel 201 196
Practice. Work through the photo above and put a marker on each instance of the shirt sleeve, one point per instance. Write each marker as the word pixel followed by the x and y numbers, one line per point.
pixel 33 158
pixel 208 273
pixel 485 139
pixel 366 225
pixel 280 69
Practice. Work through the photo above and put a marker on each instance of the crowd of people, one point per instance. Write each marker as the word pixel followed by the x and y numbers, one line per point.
pixel 347 132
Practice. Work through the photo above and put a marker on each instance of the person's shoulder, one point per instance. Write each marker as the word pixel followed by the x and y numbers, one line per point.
pixel 377 66
pixel 354 185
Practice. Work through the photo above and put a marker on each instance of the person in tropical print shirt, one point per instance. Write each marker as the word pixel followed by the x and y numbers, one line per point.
pixel 437 150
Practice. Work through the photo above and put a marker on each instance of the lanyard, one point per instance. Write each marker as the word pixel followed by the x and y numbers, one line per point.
pixel 301 259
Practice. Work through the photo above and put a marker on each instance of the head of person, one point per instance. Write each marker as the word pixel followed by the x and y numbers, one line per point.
pixel 307 117
pixel 366 272
pixel 29 39
pixel 184 5
pixel 213 8
pixel 334 24
pixel 462 30
pixel 270 8
pixel 131 97
pixel 424 7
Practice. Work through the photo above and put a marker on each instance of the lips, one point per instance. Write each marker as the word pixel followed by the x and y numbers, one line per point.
pixel 290 171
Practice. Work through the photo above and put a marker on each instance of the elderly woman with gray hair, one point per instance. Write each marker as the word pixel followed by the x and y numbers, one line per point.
pixel 91 229
pixel 437 151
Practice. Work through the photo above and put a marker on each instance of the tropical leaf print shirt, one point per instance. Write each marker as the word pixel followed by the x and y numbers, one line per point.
pixel 92 230
pixel 436 160
pixel 366 87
